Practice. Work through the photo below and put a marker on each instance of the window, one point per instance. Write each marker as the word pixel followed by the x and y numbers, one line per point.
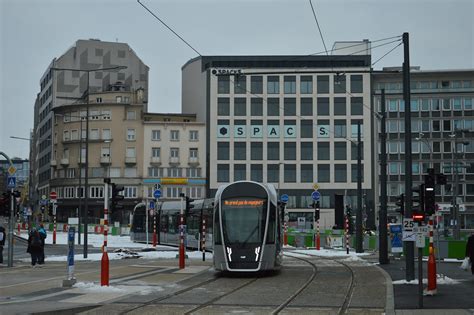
pixel 174 152
pixel 306 128
pixel 290 151
pixel 323 173
pixel 393 168
pixel 323 106
pixel 340 151
pixel 240 152
pixel 131 115
pixel 392 126
pixel 414 105
pixel 290 107
pixel 223 107
pixel 223 84
pixel 306 173
pixel 256 172
pixel 256 151
pixel 256 84
pixel 155 152
pixel 70 173
pixel 273 85
pixel 323 150
pixel 94 134
pixel 222 173
pixel 306 106
pixel 415 125
pixel 306 84
pixel 130 152
pixel 339 106
pixel 435 104
pixel 66 135
pixel 446 125
pixel 273 151
pixel 289 84
pixel 457 104
pixel 425 104
pixel 173 192
pixel 323 84
pixel 130 134
pixel 306 151
pixel 240 106
pixel 193 153
pixel 223 150
pixel 446 104
pixel 273 107
pixel 468 103
pixel 289 173
pixel 392 105
pixel 193 172
pixel 240 172
pixel 174 135
pixel 340 173
pixel 436 125
pixel 130 192
pixel 106 134
pixel 155 171
pixel 273 173
pixel 354 151
pixel 155 135
pixel 96 192
pixel 174 172
pixel 340 128
pixel 355 128
pixel 193 135
pixel 354 173
pixel 256 107
pixel 356 83
pixel 118 99
pixel 357 106
pixel 240 84
pixel 339 83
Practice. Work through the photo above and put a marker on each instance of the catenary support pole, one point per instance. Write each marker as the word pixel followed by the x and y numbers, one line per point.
pixel 86 172
pixel 409 246
pixel 181 236
pixel 10 229
pixel 420 277
pixel 383 241
pixel 104 271
pixel 359 232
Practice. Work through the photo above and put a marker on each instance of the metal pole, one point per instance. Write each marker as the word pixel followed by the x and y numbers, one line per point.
pixel 10 229
pixel 456 228
pixel 409 246
pixel 86 174
pixel 420 277
pixel 383 246
pixel 80 184
pixel 359 234
pixel 181 237
pixel 104 271
pixel 147 208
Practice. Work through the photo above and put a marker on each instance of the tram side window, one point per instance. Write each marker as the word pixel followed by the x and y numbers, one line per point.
pixel 138 222
pixel 217 228
pixel 164 223
pixel 271 225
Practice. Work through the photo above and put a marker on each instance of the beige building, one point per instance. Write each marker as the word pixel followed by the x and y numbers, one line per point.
pixel 115 150
pixel 174 155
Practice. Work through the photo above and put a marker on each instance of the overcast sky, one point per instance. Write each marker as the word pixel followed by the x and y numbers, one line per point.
pixel 34 32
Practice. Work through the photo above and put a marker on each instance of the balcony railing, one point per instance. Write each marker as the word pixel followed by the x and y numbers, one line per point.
pixel 105 160
pixel 155 160
pixel 65 161
pixel 193 161
pixel 174 160
pixel 130 160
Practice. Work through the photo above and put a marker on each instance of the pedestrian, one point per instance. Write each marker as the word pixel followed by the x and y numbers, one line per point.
pixel 43 236
pixel 34 246
pixel 2 242
pixel 470 251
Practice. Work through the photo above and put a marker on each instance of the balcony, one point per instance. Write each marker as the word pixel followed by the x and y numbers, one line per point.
pixel 65 161
pixel 81 160
pixel 105 160
pixel 53 163
pixel 155 160
pixel 130 160
pixel 174 160
pixel 193 161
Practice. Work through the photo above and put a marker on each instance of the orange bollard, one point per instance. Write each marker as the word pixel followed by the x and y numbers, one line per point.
pixel 104 270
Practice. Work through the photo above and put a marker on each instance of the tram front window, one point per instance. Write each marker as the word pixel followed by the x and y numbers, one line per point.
pixel 244 221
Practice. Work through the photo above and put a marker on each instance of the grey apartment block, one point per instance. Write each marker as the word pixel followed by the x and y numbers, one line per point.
pixel 441 106
pixel 286 120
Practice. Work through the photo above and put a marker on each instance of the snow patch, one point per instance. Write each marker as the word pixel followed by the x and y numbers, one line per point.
pixel 439 280
pixel 329 253
pixel 92 287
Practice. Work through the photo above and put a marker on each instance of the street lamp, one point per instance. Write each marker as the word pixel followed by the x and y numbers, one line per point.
pixel 86 174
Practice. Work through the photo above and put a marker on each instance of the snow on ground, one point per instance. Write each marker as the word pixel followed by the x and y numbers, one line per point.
pixel 329 253
pixel 142 289
pixel 439 280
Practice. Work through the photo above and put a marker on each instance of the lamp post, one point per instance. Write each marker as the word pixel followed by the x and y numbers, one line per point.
pixel 86 173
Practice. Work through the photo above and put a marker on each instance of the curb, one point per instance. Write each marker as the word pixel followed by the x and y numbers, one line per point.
pixel 390 302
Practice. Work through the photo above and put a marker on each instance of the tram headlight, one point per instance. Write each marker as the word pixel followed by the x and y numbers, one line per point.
pixel 229 253
pixel 257 252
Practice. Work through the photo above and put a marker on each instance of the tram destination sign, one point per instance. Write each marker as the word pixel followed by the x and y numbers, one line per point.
pixel 243 203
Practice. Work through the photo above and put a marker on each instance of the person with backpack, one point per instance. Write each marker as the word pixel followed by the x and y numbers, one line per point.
pixel 34 246
pixel 2 242
pixel 43 236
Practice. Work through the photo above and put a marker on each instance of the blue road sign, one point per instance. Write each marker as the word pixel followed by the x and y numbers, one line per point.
pixel 316 195
pixel 157 194
pixel 11 182
pixel 152 204
pixel 284 198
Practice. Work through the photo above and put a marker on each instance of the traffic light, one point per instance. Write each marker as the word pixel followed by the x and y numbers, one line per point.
pixel 350 220
pixel 316 210
pixel 441 179
pixel 5 204
pixel 116 197
pixel 50 210
pixel 189 206
pixel 429 201
pixel 42 209
pixel 418 211
pixel 401 203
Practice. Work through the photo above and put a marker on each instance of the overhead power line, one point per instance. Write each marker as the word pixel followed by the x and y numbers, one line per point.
pixel 319 28
pixel 162 22
pixel 386 54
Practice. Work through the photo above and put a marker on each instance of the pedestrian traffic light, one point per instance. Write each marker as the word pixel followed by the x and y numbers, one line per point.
pixel 429 193
pixel 116 197
pixel 50 210
pixel 42 209
pixel 418 210
pixel 401 204
pixel 189 206
pixel 316 210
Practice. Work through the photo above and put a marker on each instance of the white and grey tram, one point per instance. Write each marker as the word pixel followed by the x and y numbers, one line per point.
pixel 247 228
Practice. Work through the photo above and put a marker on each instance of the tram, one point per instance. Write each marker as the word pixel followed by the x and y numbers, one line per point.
pixel 168 223
pixel 247 228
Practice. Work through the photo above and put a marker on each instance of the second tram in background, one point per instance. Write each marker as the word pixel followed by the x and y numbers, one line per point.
pixel 247 228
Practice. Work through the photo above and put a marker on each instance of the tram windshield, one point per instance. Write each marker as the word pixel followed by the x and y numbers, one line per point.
pixel 244 220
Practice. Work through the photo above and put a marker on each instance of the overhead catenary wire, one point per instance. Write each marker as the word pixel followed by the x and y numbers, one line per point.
pixel 387 53
pixel 162 22
pixel 319 28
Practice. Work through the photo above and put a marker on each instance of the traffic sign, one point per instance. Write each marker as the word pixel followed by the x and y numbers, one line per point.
pixel 11 170
pixel 157 186
pixel 315 186
pixel 11 182
pixel 152 204
pixel 157 193
pixel 408 233
pixel 43 197
pixel 53 195
pixel 284 198
pixel 315 195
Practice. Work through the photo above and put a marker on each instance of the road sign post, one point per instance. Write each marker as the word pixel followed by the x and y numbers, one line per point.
pixel 53 195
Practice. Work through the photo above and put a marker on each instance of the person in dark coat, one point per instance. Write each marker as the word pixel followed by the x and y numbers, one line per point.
pixel 43 234
pixel 3 236
pixel 470 251
pixel 34 246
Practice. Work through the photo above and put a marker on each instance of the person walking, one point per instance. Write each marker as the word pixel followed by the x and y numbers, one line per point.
pixel 470 251
pixel 34 246
pixel 43 236
pixel 2 242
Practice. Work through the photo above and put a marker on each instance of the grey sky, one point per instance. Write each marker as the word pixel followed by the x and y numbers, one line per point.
pixel 32 33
